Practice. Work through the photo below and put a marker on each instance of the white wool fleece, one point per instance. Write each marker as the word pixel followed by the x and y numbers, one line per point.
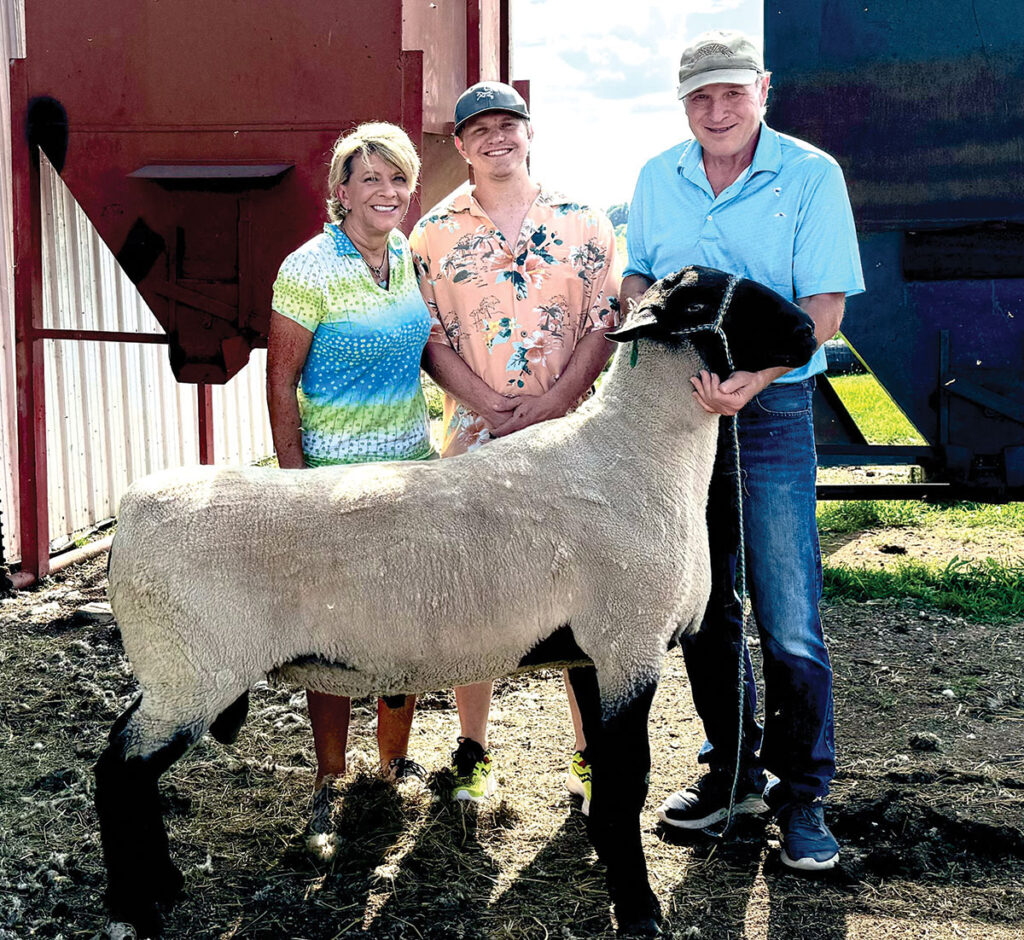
pixel 425 575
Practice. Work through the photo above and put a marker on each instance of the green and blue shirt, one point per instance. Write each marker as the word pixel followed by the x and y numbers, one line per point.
pixel 360 397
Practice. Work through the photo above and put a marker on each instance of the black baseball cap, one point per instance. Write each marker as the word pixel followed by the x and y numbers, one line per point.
pixel 488 96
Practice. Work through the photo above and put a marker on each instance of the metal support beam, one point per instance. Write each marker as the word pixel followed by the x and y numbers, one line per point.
pixel 204 401
pixel 973 392
pixel 928 492
pixel 28 314
pixel 104 336
pixel 505 41
pixel 472 42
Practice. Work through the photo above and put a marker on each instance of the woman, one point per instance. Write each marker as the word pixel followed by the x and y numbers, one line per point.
pixel 347 331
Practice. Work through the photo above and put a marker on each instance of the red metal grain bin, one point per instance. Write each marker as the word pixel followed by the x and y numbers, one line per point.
pixel 196 134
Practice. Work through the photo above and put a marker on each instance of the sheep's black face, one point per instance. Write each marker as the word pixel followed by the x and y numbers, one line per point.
pixel 763 328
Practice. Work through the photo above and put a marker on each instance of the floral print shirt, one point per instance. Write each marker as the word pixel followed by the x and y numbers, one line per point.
pixel 514 313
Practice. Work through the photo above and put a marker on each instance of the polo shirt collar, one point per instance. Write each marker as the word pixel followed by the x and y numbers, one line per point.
pixel 462 200
pixel 767 158
pixel 343 244
pixel 768 155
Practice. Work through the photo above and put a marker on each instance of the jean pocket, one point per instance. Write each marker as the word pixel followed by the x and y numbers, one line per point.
pixel 786 398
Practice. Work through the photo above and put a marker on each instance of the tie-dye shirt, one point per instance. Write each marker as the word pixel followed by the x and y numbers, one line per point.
pixel 514 313
pixel 360 397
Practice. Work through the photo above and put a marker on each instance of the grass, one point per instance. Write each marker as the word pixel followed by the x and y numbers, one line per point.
pixel 985 591
pixel 874 411
pixel 434 397
pixel 857 515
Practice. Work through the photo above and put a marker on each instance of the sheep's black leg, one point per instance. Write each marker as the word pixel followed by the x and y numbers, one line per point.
pixel 140 874
pixel 229 722
pixel 620 770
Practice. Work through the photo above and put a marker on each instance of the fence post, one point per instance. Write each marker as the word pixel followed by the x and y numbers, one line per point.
pixel 28 313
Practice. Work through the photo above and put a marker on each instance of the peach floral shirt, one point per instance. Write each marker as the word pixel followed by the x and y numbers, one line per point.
pixel 513 313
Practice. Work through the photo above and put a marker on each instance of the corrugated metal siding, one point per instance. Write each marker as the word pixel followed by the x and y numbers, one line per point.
pixel 241 424
pixel 12 45
pixel 114 411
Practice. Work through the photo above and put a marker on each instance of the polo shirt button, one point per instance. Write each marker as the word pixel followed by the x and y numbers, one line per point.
pixel 709 218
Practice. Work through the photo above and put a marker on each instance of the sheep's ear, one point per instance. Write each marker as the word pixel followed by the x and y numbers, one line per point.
pixel 641 323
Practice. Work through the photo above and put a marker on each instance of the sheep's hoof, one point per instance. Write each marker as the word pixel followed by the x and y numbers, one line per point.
pixel 639 915
pixel 142 923
pixel 136 915
pixel 168 887
pixel 646 927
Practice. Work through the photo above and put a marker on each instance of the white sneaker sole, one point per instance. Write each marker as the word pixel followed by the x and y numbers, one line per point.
pixel 809 864
pixel 575 786
pixel 752 806
pixel 490 788
pixel 322 846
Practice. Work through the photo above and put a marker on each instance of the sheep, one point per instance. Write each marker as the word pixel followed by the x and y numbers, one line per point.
pixel 390 579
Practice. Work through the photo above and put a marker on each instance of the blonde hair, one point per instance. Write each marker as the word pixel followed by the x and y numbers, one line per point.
pixel 380 139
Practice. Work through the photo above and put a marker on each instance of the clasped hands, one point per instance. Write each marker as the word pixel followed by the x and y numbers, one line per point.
pixel 515 412
pixel 716 396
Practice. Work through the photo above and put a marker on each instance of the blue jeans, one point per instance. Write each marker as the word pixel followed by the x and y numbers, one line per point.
pixel 777 460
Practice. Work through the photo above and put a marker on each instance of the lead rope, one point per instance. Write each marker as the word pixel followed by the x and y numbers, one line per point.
pixel 740 593
pixel 740 588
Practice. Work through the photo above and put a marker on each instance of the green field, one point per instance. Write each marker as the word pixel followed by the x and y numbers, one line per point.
pixel 989 589
pixel 873 410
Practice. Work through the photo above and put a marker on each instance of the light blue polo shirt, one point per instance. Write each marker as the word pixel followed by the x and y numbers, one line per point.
pixel 786 222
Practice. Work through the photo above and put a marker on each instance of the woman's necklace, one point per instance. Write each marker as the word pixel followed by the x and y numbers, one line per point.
pixel 380 275
pixel 378 270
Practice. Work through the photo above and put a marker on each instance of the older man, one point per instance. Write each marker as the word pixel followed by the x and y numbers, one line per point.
pixel 741 197
pixel 523 285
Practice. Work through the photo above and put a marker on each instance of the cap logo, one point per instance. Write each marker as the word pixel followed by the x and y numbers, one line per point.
pixel 484 93
pixel 712 48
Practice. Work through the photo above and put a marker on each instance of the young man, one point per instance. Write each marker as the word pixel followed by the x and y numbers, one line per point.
pixel 748 200
pixel 522 285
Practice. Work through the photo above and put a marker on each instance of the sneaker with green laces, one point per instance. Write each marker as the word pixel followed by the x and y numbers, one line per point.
pixel 577 780
pixel 474 772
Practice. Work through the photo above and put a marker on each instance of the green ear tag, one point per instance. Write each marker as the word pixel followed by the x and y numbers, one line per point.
pixel 634 354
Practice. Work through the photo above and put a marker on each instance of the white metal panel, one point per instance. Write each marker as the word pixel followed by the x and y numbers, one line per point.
pixel 90 292
pixel 12 36
pixel 114 410
pixel 12 13
pixel 241 423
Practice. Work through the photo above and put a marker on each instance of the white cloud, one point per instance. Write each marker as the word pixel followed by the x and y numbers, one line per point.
pixel 602 82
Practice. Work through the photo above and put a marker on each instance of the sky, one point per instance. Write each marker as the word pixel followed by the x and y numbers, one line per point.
pixel 602 78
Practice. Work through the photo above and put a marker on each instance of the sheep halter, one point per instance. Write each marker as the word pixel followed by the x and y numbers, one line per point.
pixel 740 589
pixel 715 326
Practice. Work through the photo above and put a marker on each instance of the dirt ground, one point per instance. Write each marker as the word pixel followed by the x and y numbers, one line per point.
pixel 928 803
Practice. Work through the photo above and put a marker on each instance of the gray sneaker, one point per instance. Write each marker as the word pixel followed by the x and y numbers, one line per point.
pixel 321 838
pixel 807 842
pixel 706 802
